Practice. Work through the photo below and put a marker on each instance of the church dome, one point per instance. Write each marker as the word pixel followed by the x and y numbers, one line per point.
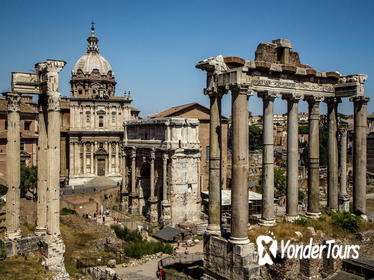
pixel 92 59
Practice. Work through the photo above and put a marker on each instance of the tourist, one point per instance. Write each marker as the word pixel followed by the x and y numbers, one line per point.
pixel 186 252
pixel 103 220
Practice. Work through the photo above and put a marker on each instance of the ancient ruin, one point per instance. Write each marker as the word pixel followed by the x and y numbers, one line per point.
pixel 276 72
pixel 161 160
pixel 44 83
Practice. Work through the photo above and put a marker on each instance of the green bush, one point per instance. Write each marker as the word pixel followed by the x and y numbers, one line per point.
pixel 138 249
pixel 126 234
pixel 67 211
pixel 3 189
pixel 303 222
pixel 346 221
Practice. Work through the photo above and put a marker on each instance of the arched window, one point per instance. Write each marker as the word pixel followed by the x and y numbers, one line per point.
pixel 101 121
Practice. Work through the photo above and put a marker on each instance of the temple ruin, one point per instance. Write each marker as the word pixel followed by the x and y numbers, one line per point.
pixel 43 83
pixel 276 72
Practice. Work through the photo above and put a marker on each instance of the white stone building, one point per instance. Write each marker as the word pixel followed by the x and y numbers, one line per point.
pixel 96 118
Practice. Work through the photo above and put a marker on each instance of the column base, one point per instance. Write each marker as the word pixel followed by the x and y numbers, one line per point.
pixel 291 219
pixel 152 211
pixel 313 215
pixel 364 217
pixel 238 240
pixel 13 235
pixel 213 229
pixel 267 223
pixel 343 201
pixel 40 231
pixel 166 214
pixel 53 249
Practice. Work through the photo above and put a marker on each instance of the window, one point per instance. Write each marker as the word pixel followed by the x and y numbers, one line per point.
pixel 26 125
pixel 22 146
pixel 6 124
pixel 88 117
pixel 80 92
pixel 101 121
pixel 113 117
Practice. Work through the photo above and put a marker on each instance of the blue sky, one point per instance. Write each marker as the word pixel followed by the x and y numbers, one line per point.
pixel 153 46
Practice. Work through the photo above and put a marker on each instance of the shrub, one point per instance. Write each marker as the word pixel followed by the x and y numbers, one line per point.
pixel 138 249
pixel 346 221
pixel 67 211
pixel 302 222
pixel 126 234
pixel 3 189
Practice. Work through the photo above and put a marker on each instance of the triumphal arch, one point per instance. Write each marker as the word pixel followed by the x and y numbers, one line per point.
pixel 47 237
pixel 276 72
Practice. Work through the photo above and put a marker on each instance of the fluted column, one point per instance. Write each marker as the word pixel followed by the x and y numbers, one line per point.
pixel 53 193
pixel 239 192
pixel 164 177
pixel 332 168
pixel 41 220
pixel 92 158
pixel 292 157
pixel 313 167
pixel 117 159
pixel 84 158
pixel 109 157
pixel 268 217
pixel 215 143
pixel 360 154
pixel 13 166
pixel 152 214
pixel 134 194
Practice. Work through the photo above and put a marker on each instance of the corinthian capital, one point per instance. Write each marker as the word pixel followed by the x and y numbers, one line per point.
pixel 53 101
pixel 13 101
pixel 241 89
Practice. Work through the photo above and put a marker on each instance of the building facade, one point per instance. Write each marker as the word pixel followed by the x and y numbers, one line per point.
pixel 161 174
pixel 96 117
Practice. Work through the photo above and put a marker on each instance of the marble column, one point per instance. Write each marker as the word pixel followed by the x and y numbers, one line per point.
pixel 215 143
pixel 344 197
pixel 313 157
pixel 41 218
pixel 53 189
pixel 110 157
pixel 134 208
pixel 71 158
pixel 165 204
pixel 92 158
pixel 268 217
pixel 240 141
pixel 152 214
pixel 332 168
pixel 124 187
pixel 13 167
pixel 292 157
pixel 360 154
pixel 84 158
pixel 117 159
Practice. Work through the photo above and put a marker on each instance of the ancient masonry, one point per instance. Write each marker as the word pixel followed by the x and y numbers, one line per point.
pixel 161 164
pixel 44 83
pixel 276 71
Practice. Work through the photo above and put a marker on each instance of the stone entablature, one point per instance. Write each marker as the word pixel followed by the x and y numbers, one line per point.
pixel 161 163
pixel 170 133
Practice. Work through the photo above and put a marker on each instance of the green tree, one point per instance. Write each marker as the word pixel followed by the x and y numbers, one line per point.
pixel 280 182
pixel 29 179
pixel 255 137
pixel 323 147
pixel 303 129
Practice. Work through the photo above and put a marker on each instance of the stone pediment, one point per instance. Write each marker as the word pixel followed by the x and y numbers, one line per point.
pixel 101 151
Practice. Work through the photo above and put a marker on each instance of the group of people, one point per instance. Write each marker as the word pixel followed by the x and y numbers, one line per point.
pixel 177 248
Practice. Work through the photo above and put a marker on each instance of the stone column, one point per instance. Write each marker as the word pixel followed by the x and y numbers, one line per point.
pixel 77 158
pixel 117 159
pixel 166 214
pixel 360 155
pixel 332 168
pixel 268 217
pixel 84 158
pixel 41 218
pixel 292 157
pixel 313 167
pixel 134 209
pixel 344 198
pixel 13 167
pixel 71 157
pixel 92 158
pixel 152 214
pixel 124 189
pixel 239 192
pixel 110 157
pixel 53 192
pixel 215 143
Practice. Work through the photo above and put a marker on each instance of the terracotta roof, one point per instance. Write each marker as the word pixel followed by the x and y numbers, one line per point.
pixel 173 110
pixel 134 109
